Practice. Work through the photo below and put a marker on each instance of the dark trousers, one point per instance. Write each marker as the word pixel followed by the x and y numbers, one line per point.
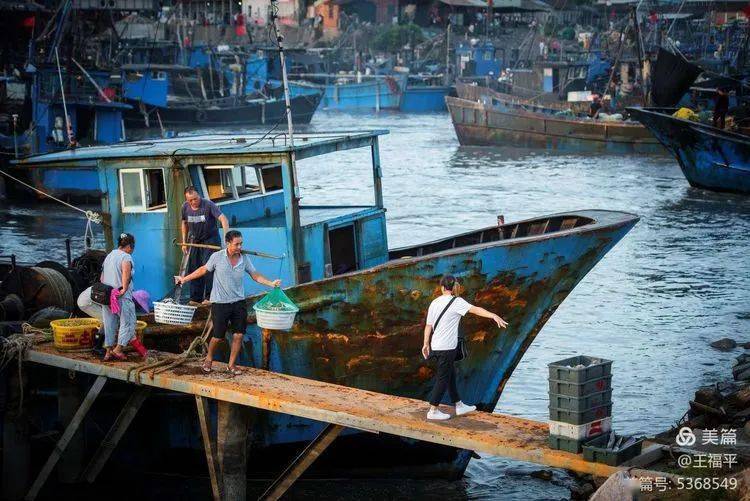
pixel 720 119
pixel 200 288
pixel 445 377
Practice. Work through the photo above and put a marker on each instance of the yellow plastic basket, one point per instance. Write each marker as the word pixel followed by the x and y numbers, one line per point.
pixel 74 333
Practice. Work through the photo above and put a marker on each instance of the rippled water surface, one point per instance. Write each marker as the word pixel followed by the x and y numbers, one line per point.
pixel 678 280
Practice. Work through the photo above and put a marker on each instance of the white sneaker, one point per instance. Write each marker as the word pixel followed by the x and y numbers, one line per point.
pixel 437 415
pixel 462 408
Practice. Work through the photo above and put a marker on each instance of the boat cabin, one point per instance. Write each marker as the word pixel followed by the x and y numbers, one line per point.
pixel 93 119
pixel 253 179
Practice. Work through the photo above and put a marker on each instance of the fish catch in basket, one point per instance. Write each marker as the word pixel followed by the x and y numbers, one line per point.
pixel 275 311
pixel 168 311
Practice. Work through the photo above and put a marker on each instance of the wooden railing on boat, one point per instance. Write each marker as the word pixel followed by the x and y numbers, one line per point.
pixel 502 232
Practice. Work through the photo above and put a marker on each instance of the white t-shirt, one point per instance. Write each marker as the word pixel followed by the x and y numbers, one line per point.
pixel 445 337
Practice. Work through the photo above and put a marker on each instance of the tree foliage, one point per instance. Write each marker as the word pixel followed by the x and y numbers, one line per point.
pixel 394 37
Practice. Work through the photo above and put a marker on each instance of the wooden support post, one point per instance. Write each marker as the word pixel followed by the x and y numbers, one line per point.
pixel 16 439
pixel 302 462
pixel 69 397
pixel 213 467
pixel 377 174
pixel 116 432
pixel 231 437
pixel 59 449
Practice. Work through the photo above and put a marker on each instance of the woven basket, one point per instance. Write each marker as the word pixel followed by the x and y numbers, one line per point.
pixel 173 313
pixel 275 320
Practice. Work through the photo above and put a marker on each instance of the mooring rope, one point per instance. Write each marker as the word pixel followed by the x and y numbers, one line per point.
pixel 92 216
pixel 166 364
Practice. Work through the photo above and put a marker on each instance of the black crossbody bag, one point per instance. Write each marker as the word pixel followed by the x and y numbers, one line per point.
pixel 101 293
pixel 461 346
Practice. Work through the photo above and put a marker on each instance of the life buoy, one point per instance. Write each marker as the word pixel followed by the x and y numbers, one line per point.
pixel 393 85
pixel 200 116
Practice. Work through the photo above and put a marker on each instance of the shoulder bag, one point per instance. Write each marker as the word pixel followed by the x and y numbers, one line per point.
pixel 101 293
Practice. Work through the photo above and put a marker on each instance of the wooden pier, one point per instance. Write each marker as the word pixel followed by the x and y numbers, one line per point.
pixel 339 406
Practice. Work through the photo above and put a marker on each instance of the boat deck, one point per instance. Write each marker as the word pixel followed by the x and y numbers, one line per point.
pixel 494 434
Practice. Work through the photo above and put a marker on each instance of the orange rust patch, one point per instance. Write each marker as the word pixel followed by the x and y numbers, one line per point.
pixel 509 297
pixel 358 361
pixel 337 337
pixel 479 336
pixel 424 373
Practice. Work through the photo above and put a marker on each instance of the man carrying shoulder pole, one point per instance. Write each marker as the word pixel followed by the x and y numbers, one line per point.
pixel 199 218
pixel 228 305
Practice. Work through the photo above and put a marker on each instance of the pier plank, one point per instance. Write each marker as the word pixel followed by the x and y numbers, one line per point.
pixel 494 434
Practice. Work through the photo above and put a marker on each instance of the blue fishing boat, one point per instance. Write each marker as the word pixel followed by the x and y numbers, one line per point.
pixel 424 93
pixel 710 158
pixel 180 96
pixel 93 118
pixel 362 305
pixel 345 92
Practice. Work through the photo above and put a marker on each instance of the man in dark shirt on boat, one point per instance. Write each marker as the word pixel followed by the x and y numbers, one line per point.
pixel 596 106
pixel 199 218
pixel 721 107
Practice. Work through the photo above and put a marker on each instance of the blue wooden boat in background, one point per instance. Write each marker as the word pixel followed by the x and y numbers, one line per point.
pixel 351 92
pixel 710 158
pixel 424 94
pixel 93 121
pixel 362 305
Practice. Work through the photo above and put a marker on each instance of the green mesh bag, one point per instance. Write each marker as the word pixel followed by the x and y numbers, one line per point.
pixel 275 311
pixel 276 300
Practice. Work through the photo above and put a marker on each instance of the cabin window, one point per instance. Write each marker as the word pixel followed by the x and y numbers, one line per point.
pixel 142 190
pixel 219 183
pixel 272 180
pixel 133 76
pixel 158 75
pixel 223 183
pixel 488 55
pixel 246 180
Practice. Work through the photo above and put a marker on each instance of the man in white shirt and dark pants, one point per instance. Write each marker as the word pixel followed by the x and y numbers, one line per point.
pixel 446 311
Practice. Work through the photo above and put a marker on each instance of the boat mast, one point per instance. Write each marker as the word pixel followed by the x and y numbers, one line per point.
pixel 285 82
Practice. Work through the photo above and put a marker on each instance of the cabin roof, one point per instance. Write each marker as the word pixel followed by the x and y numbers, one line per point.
pixel 305 145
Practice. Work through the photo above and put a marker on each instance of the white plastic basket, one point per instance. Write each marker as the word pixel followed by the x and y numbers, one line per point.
pixel 281 320
pixel 173 313
pixel 578 432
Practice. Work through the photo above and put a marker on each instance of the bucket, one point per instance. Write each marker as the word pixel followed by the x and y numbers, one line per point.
pixel 74 333
pixel 275 311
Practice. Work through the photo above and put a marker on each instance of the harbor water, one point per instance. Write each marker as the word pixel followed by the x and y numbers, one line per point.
pixel 679 280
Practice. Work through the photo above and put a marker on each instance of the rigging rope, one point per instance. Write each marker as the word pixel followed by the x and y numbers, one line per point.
pixel 92 216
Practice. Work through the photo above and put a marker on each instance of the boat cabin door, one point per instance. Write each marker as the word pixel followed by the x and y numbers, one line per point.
pixel 342 249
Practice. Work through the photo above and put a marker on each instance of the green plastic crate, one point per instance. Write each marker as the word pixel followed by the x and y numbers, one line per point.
pixel 580 390
pixel 567 444
pixel 594 450
pixel 572 417
pixel 594 368
pixel 580 404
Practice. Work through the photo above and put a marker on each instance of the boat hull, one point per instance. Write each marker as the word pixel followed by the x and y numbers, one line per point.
pixel 710 158
pixel 376 94
pixel 257 112
pixel 365 329
pixel 424 99
pixel 477 124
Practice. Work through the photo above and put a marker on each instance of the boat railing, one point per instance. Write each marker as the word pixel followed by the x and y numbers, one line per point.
pixel 534 227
